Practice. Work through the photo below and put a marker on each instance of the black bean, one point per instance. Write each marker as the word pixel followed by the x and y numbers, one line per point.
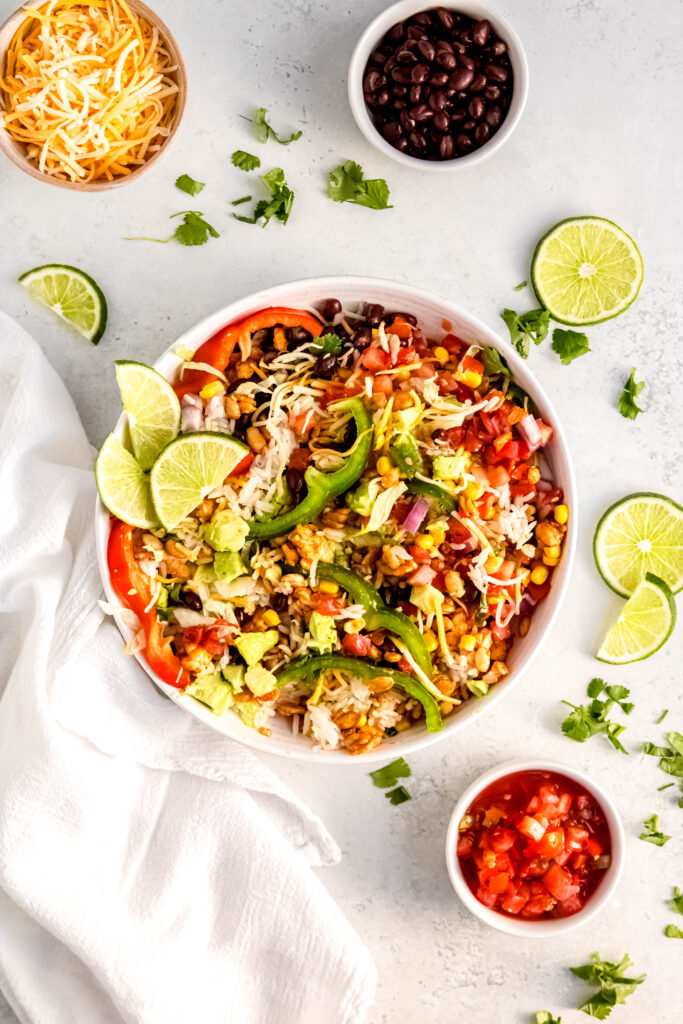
pixel 446 59
pixel 416 32
pixel 481 134
pixel 382 98
pixel 374 313
pixel 401 144
pixel 401 75
pixel 400 91
pixel 415 94
pixel 406 120
pixel 279 602
pixel 329 308
pixel 371 81
pixel 478 83
pixel 406 56
pixel 377 57
pixel 268 358
pixel 191 600
pixel 361 337
pixel 494 116
pixel 445 17
pixel 397 32
pixel 468 126
pixel 466 62
pixel 295 481
pixel 421 113
pixel 417 140
pixel 464 143
pixel 477 108
pixel 498 48
pixel 409 318
pixel 461 79
pixel 481 32
pixel 400 104
pixel 391 63
pixel 438 100
pixel 325 364
pixel 442 121
pixel 423 18
pixel 439 79
pixel 243 421
pixel 496 72
pixel 426 48
pixel 391 131
pixel 443 44
pixel 297 335
pixel 420 73
pixel 458 115
pixel 492 92
pixel 446 147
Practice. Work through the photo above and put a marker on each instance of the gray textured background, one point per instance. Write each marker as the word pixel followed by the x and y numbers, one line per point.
pixel 599 136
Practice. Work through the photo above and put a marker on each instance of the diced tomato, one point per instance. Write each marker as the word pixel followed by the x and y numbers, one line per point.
pixel 471 365
pixel 357 645
pixel 422 575
pixel 382 385
pixel 484 503
pixel 454 436
pixel 244 465
pixel 532 828
pixel 405 355
pixel 424 372
pixel 502 632
pixel 375 359
pixel 299 459
pixel 446 383
pixel 501 839
pixel 490 423
pixel 497 476
pixel 499 883
pixel 507 570
pixel 546 501
pixel 518 899
pixel 193 634
pixel 401 328
pixel 558 882
pixel 485 896
pixel 564 803
pixel 302 423
pixel 571 906
pixel 327 605
pixel 552 843
pixel 593 848
pixel 452 344
pixel 546 432
pixel 538 591
pixel 419 555
pixel 576 838
pixel 520 489
pixel 510 450
pixel 579 861
pixel 537 905
pixel 457 532
pixel 465 844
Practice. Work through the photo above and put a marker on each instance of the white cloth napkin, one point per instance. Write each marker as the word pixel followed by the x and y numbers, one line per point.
pixel 151 870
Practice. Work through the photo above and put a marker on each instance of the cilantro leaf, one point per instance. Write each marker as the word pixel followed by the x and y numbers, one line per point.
pixel 187 184
pixel 263 131
pixel 245 161
pixel 663 715
pixel 670 758
pixel 280 203
pixel 586 721
pixel 518 288
pixel 389 775
pixel 569 345
pixel 346 184
pixel 614 986
pixel 526 327
pixel 673 932
pixel 494 363
pixel 544 1016
pixel 194 230
pixel 327 343
pixel 627 399
pixel 652 833
pixel 398 796
pixel 676 901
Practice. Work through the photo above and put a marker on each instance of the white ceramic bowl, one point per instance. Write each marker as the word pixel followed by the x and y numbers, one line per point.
pixel 400 12
pixel 431 311
pixel 519 926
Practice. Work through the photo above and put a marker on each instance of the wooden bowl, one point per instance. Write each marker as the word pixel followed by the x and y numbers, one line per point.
pixel 15 150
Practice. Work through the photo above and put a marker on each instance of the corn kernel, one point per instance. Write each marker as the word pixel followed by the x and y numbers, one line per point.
pixel 561 514
pixel 438 533
pixel 493 563
pixel 534 475
pixel 271 617
pixel 552 551
pixel 328 587
pixel 403 375
pixel 524 625
pixel 495 599
pixel 430 640
pixel 384 465
pixel 469 378
pixel 363 720
pixel 212 389
pixel 467 642
pixel 500 442
pixel 474 490
pixel 550 561
pixel 539 575
pixel 423 540
pixel 441 354
pixel 354 626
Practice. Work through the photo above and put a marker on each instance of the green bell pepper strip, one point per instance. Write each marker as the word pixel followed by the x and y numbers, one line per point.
pixel 427 490
pixel 310 668
pixel 322 487
pixel 376 613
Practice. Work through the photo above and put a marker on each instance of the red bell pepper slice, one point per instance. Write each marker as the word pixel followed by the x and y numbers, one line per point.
pixel 218 349
pixel 133 589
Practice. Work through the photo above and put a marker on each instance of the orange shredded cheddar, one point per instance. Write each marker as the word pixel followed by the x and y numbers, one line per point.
pixel 88 89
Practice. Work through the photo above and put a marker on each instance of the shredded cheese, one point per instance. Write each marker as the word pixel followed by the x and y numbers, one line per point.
pixel 88 89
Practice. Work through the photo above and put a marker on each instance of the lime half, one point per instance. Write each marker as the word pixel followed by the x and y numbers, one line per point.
pixel 71 294
pixel 123 485
pixel 646 622
pixel 152 408
pixel 586 270
pixel 641 533
pixel 188 469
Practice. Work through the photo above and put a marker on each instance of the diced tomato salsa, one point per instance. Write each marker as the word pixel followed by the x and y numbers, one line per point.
pixel 534 845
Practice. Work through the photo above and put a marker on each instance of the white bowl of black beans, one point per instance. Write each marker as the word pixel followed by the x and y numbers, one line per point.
pixel 438 87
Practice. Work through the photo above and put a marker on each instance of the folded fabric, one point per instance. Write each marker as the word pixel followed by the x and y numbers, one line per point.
pixel 151 870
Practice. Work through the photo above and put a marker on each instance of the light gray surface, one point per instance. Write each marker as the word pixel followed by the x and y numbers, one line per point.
pixel 598 136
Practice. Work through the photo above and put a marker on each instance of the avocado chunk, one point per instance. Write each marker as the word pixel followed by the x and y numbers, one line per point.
pixel 227 531
pixel 363 498
pixel 259 680
pixel 446 467
pixel 227 566
pixel 211 689
pixel 323 633
pixel 234 674
pixel 252 646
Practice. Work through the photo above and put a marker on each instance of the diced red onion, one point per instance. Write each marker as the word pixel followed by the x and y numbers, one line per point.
pixel 466 545
pixel 528 428
pixel 192 415
pixel 526 604
pixel 414 519
pixel 544 485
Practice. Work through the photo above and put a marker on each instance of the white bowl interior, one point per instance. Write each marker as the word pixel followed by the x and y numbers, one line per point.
pixel 431 312
pixel 400 12
pixel 518 926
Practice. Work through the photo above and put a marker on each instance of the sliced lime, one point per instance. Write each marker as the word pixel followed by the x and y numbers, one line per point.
pixel 123 485
pixel 188 469
pixel 646 622
pixel 585 270
pixel 152 408
pixel 638 534
pixel 71 294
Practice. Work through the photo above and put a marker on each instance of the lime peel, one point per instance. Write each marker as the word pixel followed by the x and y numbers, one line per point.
pixel 644 625
pixel 70 293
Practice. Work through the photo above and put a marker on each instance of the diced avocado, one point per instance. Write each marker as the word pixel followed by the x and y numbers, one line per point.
pixel 251 712
pixel 162 600
pixel 363 498
pixel 204 574
pixel 252 646
pixel 259 680
pixel 323 633
pixel 406 455
pixel 228 566
pixel 446 467
pixel 211 689
pixel 234 674
pixel 406 419
pixel 227 531
pixel 427 598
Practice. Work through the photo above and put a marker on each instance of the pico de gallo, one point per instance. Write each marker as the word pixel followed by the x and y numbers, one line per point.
pixel 534 845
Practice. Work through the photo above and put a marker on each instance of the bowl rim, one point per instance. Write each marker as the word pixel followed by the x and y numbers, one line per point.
pixel 399 12
pixel 545 928
pixel 12 149
pixel 277 295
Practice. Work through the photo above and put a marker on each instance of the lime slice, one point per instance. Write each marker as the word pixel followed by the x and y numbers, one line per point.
pixel 188 469
pixel 586 270
pixel 639 534
pixel 123 485
pixel 71 294
pixel 646 622
pixel 152 407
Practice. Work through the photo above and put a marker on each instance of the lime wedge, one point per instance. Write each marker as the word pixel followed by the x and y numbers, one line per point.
pixel 646 622
pixel 586 270
pixel 188 469
pixel 641 533
pixel 123 485
pixel 71 294
pixel 152 407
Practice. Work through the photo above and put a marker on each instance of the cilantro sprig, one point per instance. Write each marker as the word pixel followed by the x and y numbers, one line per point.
pixel 193 230
pixel 388 776
pixel 278 205
pixel 569 345
pixel 651 832
pixel 670 757
pixel 327 343
pixel 346 184
pixel 245 161
pixel 264 131
pixel 526 327
pixel 546 1017
pixel 589 720
pixel 614 985
pixel 627 399
pixel 672 931
pixel 187 184
pixel 676 901
pixel 494 364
